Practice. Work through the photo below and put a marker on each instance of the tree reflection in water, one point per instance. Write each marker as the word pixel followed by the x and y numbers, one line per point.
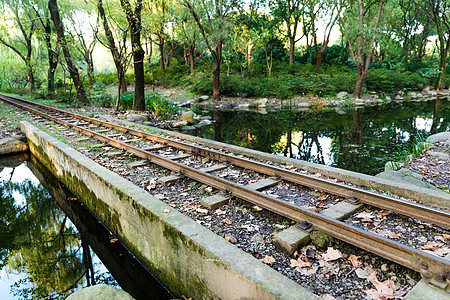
pixel 37 239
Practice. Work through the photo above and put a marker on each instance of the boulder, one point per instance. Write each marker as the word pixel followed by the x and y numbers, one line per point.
pixel 412 95
pixel 262 102
pixel 138 118
pixel 432 93
pixel 188 116
pixel 12 145
pixel 100 291
pixel 166 94
pixel 342 95
pixel 179 124
pixel 442 136
pixel 204 98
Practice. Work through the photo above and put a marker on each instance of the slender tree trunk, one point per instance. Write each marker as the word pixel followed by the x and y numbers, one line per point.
pixel 216 71
pixel 439 84
pixel 161 53
pixel 117 58
pixel 134 20
pixel 191 59
pixel 362 73
pixel 54 12
pixel 319 61
pixel 30 77
pixel 291 49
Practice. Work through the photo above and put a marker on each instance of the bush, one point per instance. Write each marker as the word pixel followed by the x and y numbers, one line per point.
pixel 383 80
pixel 98 96
pixel 153 102
pixel 107 78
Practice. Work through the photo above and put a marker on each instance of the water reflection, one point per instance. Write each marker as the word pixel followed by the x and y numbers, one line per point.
pixel 357 139
pixel 45 252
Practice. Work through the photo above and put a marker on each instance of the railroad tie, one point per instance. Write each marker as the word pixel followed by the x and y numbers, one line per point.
pixel 262 184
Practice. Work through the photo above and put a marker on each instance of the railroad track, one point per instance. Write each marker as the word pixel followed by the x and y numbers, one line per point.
pixel 136 142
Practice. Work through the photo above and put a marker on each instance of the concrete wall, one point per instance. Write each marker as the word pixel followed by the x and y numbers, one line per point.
pixel 188 258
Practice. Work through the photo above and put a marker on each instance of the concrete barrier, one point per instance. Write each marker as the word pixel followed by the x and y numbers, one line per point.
pixel 188 258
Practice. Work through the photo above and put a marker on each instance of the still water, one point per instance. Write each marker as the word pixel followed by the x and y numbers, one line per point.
pixel 356 139
pixel 50 245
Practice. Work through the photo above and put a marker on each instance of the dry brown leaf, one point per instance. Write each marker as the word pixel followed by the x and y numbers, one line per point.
pixel 113 240
pixel 328 297
pixel 332 254
pixel 325 271
pixel 227 221
pixel 373 231
pixel 354 260
pixel 229 239
pixel 202 211
pixel 299 263
pixel 209 189
pixel 392 235
pixel 383 290
pixel 365 215
pixel 166 211
pixel 268 260
pixel 311 208
pixel 322 197
pixel 446 236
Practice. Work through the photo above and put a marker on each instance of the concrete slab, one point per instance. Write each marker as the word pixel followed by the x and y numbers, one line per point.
pixel 426 291
pixel 169 180
pixel 188 258
pixel 262 184
pixel 215 201
pixel 137 164
pixel 213 168
pixel 114 153
pixel 342 210
pixel 402 177
pixel 291 239
pixel 180 156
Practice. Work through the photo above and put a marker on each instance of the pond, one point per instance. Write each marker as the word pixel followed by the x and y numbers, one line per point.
pixel 356 139
pixel 50 245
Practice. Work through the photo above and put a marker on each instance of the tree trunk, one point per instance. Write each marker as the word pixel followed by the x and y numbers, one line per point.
pixel 291 49
pixel 117 58
pixel 191 58
pixel 54 12
pixel 134 20
pixel 362 73
pixel 161 53
pixel 30 77
pixel 216 71
pixel 319 61
pixel 439 84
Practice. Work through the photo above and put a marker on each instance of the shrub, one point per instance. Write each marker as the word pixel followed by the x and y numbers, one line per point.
pixel 106 78
pixel 126 100
pixel 383 80
pixel 160 106
pixel 98 96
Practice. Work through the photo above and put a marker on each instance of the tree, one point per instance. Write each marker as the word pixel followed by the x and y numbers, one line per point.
pixel 73 70
pixel 439 12
pixel 325 10
pixel 118 53
pixel 42 13
pixel 291 12
pixel 25 21
pixel 361 36
pixel 134 21
pixel 212 19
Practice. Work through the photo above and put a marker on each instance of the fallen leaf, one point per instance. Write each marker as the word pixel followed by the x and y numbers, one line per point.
pixel 332 254
pixel 325 271
pixel 322 197
pixel 365 215
pixel 299 263
pixel 73 199
pixel 113 240
pixel 311 208
pixel 166 211
pixel 446 236
pixel 383 290
pixel 328 297
pixel 230 239
pixel 227 221
pixel 202 211
pixel 364 273
pixel 209 189
pixel 392 235
pixel 354 260
pixel 373 231
pixel 268 260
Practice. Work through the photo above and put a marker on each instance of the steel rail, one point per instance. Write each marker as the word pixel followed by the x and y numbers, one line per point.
pixel 407 208
pixel 429 265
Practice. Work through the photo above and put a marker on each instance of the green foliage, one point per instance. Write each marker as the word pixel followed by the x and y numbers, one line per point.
pixel 382 80
pixel 108 78
pixel 153 102
pixel 98 96
pixel 160 106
